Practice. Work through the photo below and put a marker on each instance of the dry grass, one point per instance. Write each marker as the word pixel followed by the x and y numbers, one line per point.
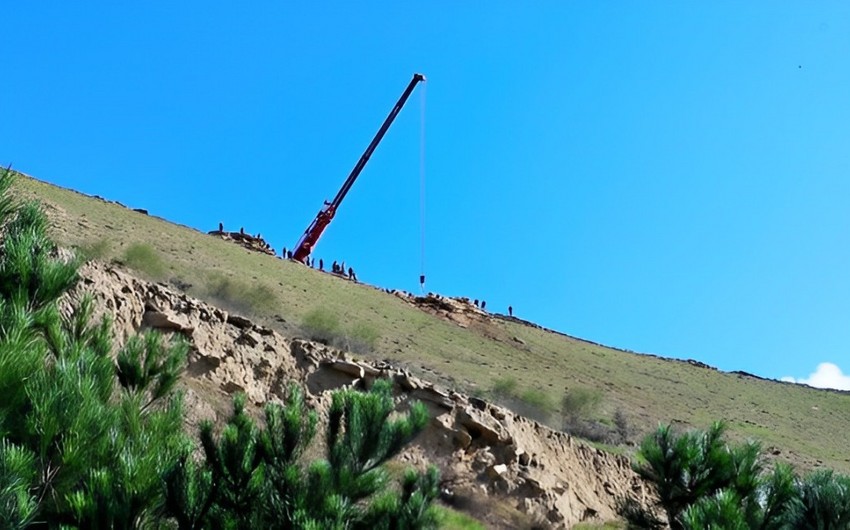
pixel 807 425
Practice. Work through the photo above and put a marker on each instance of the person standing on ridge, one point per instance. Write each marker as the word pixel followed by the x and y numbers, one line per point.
pixel 510 311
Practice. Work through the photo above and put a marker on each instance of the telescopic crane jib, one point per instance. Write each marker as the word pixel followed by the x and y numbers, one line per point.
pixel 326 214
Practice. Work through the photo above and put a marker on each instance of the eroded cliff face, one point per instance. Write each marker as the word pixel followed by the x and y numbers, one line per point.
pixel 484 451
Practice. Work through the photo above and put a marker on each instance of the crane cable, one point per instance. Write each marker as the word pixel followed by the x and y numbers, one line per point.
pixel 422 185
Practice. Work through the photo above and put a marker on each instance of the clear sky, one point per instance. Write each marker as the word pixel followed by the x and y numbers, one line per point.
pixel 665 177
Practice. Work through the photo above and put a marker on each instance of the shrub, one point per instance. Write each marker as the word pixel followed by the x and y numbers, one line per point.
pixel 237 295
pixel 322 326
pixel 96 250
pixel 365 334
pixel 581 403
pixel 538 398
pixel 532 403
pixel 504 387
pixel 143 258
pixel 621 424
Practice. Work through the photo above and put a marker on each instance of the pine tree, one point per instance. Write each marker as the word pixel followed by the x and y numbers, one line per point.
pixel 255 477
pixel 824 502
pixel 689 467
pixel 77 448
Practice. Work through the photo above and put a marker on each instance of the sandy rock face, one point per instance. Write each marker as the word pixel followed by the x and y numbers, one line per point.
pixel 478 446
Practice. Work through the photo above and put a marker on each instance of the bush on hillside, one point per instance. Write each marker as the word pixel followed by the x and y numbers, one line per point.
pixel 322 325
pixel 95 250
pixel 504 387
pixel 143 258
pixel 531 403
pixel 236 295
pixel 581 403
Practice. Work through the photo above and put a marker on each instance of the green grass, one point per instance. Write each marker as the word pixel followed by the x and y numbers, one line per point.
pixel 454 520
pixel 807 425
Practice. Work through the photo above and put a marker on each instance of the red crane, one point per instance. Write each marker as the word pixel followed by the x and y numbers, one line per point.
pixel 326 214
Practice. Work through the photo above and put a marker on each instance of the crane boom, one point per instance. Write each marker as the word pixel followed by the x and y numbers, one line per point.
pixel 326 214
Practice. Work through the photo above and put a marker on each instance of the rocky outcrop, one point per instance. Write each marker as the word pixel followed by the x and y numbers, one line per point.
pixel 254 243
pixel 478 446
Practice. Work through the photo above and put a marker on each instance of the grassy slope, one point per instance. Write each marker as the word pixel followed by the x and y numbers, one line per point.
pixel 806 424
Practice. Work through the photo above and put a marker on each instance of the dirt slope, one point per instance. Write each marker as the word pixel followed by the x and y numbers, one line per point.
pixel 486 452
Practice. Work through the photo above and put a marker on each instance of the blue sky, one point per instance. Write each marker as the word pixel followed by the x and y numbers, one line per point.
pixel 665 177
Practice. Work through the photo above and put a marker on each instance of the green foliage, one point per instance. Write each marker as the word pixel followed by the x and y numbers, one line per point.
pixel 75 449
pixel 254 478
pixel 17 472
pixel 322 325
pixel 95 250
pixel 581 403
pixel 703 482
pixel 824 501
pixel 538 399
pixel 363 337
pixel 504 387
pixel 532 402
pixel 685 467
pixel 143 258
pixel 237 295
pixel 453 520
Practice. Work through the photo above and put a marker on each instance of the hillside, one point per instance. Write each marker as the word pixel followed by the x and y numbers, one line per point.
pixel 800 424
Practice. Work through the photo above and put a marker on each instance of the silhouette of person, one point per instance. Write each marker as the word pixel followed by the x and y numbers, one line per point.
pixel 483 304
pixel 242 230
pixel 289 254
pixel 335 267
pixel 221 227
pixel 476 302
pixel 510 311
pixel 321 264
pixel 283 252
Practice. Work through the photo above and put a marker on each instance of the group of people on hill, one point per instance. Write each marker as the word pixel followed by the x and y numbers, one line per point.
pixel 253 239
pixel 483 305
pixel 339 268
pixel 336 268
